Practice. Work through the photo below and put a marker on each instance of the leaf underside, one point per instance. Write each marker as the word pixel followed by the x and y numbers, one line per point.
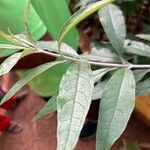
pixel 116 106
pixel 73 103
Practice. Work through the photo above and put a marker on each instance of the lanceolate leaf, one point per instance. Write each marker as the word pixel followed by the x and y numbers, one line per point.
pixel 28 76
pixel 116 106
pixel 53 47
pixel 9 46
pixel 140 73
pixel 143 88
pixel 105 52
pixel 79 16
pixel 98 74
pixel 49 107
pixel 114 25
pixel 138 48
pixel 11 61
pixel 74 99
pixel 13 39
pixel 144 36
pixel 98 90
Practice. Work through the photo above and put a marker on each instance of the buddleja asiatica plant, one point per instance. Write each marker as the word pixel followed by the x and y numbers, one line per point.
pixel 76 91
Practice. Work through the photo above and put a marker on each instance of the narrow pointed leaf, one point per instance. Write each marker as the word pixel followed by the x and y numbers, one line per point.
pixel 144 36
pixel 49 107
pixel 12 39
pixel 79 16
pixel 73 103
pixel 28 76
pixel 113 23
pixel 9 46
pixel 140 73
pixel 116 106
pixel 103 53
pixel 53 47
pixel 98 74
pixel 143 88
pixel 138 48
pixel 98 90
pixel 11 61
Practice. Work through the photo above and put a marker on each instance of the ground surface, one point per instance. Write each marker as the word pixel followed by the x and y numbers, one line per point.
pixel 41 134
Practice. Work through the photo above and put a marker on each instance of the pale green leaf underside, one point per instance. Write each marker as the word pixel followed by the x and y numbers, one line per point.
pixel 98 90
pixel 116 106
pixel 143 88
pixel 9 46
pixel 49 107
pixel 144 36
pixel 140 73
pixel 137 48
pixel 28 76
pixel 98 74
pixel 53 47
pixel 9 63
pixel 79 16
pixel 104 52
pixel 73 103
pixel 113 23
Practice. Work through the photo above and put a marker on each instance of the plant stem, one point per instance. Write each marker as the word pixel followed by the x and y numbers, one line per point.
pixel 142 66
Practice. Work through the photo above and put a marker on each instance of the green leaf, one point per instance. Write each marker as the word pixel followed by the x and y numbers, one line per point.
pixel 79 16
pixel 73 103
pixel 138 48
pixel 9 63
pixel 28 76
pixel 98 74
pixel 9 46
pixel 143 88
pixel 113 23
pixel 102 52
pixel 140 73
pixel 52 46
pixel 14 40
pixel 50 106
pixel 98 90
pixel 116 106
pixel 144 36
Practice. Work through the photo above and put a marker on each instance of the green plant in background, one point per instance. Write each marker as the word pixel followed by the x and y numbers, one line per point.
pixel 125 80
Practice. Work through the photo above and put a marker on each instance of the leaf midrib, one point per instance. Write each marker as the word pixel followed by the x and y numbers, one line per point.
pixel 74 102
pixel 115 107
